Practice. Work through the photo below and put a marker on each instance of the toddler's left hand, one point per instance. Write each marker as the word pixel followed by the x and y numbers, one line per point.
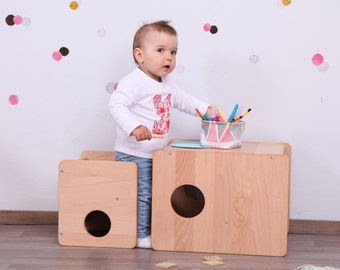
pixel 141 133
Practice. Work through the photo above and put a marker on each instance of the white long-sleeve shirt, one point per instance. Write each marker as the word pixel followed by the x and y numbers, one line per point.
pixel 140 100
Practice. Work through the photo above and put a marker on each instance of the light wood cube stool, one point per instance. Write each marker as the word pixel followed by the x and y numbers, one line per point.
pixel 222 201
pixel 97 201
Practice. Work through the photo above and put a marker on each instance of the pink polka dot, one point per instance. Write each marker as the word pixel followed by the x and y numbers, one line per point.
pixel 13 99
pixel 115 86
pixel 17 19
pixel 207 27
pixel 317 59
pixel 57 55
pixel 101 32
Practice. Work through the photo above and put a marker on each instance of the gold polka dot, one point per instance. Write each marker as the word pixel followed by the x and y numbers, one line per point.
pixel 286 2
pixel 74 5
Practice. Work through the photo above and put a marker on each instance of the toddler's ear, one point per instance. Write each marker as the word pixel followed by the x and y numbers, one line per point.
pixel 138 53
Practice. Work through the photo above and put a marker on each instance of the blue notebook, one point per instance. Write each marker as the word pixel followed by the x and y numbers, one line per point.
pixel 188 144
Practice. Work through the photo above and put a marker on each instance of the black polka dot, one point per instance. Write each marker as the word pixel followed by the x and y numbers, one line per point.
pixel 9 20
pixel 213 29
pixel 64 51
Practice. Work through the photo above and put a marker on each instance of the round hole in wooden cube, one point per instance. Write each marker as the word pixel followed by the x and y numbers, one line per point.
pixel 97 223
pixel 187 201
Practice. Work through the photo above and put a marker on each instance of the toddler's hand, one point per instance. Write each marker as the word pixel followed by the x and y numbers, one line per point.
pixel 141 133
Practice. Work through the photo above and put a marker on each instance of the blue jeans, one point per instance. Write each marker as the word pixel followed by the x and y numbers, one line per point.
pixel 144 191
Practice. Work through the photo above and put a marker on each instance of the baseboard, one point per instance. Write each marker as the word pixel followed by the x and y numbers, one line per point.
pixel 28 217
pixel 323 227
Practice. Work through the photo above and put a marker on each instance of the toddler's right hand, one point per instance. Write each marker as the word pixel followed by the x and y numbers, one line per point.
pixel 141 133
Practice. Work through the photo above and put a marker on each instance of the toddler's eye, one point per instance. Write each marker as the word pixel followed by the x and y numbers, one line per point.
pixel 160 50
pixel 174 52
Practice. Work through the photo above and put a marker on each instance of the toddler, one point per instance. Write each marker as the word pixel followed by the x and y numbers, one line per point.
pixel 141 107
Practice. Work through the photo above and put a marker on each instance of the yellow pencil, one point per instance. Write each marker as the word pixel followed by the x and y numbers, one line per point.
pixel 243 115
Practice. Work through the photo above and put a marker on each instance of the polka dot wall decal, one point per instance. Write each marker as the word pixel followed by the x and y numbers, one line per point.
pixel 207 27
pixel 13 99
pixel 254 59
pixel 213 29
pixel 323 67
pixel 26 21
pixel 74 5
pixel 286 2
pixel 210 28
pixel 57 56
pixel 64 51
pixel 282 4
pixel 317 59
pixel 9 20
pixel 17 19
pixel 101 32
pixel 111 87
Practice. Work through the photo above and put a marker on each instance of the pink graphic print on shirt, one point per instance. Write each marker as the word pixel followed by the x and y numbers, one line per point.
pixel 163 108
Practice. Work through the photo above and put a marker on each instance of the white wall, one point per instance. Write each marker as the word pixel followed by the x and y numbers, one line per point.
pixel 62 106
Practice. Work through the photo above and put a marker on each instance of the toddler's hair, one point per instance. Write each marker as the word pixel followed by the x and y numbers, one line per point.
pixel 160 26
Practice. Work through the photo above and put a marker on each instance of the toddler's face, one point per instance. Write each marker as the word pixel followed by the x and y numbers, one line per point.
pixel 157 55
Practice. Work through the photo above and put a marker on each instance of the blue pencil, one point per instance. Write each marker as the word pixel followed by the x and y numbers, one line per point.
pixel 232 115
